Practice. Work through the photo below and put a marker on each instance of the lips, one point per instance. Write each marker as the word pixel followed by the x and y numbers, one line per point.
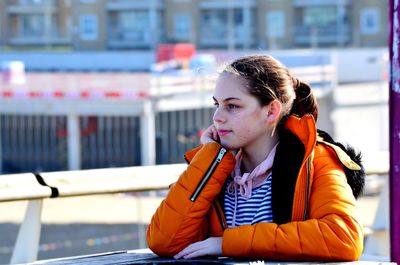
pixel 223 132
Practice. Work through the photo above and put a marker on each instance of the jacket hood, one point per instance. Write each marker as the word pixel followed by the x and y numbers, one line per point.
pixel 353 166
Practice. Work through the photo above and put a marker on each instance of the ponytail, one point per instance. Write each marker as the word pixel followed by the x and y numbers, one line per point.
pixel 305 101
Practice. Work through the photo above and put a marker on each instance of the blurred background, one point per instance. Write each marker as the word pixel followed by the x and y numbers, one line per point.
pixel 115 83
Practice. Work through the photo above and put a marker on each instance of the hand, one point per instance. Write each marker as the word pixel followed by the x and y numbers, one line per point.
pixel 211 246
pixel 209 135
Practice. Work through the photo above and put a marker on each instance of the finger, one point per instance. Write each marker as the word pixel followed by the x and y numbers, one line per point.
pixel 197 253
pixel 189 249
pixel 184 252
pixel 209 132
pixel 215 134
pixel 179 255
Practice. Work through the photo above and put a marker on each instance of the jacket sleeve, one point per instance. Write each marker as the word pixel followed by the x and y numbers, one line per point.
pixel 332 231
pixel 181 218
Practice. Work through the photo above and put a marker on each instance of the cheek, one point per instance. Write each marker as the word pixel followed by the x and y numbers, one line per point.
pixel 245 131
pixel 250 128
pixel 257 115
pixel 254 115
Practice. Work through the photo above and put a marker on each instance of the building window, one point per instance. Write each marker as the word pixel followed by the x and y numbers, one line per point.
pixel 275 22
pixel 319 16
pixel 88 27
pixel 215 23
pixel 322 25
pixel 215 26
pixel 369 21
pixel 130 26
pixel 37 26
pixel 182 27
pixel 135 28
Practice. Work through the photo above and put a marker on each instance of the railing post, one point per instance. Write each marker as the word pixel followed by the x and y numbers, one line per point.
pixel 394 131
pixel 27 244
pixel 147 134
pixel 74 142
pixel 148 153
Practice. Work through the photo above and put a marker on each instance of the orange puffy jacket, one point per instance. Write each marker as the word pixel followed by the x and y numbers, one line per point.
pixel 314 209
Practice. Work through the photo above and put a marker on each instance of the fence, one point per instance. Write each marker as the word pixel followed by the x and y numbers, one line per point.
pixel 32 143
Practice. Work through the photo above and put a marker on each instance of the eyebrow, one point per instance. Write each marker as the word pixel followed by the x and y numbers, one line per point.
pixel 226 99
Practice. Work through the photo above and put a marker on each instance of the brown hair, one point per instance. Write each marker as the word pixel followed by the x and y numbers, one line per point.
pixel 268 79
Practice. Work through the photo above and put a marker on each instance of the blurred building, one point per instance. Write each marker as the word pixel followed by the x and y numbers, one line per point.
pixel 231 24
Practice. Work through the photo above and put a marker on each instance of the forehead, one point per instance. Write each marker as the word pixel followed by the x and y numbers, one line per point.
pixel 229 85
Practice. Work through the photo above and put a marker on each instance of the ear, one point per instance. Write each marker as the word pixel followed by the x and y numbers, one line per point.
pixel 273 111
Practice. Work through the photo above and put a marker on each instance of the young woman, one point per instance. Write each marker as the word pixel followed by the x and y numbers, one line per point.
pixel 265 183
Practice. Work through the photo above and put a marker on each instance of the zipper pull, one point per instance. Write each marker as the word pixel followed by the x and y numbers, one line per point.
pixel 221 154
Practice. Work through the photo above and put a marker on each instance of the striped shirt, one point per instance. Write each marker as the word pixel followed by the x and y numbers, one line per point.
pixel 256 209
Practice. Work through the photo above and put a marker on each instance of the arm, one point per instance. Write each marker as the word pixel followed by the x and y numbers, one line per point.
pixel 331 233
pixel 181 219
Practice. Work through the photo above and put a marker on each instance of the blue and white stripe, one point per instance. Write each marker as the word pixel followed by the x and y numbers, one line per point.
pixel 256 209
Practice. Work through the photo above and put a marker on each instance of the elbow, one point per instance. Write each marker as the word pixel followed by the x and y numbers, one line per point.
pixel 350 249
pixel 354 252
pixel 159 244
pixel 355 245
pixel 350 253
pixel 343 237
pixel 162 250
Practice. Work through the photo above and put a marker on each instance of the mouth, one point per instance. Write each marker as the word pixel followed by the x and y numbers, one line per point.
pixel 223 132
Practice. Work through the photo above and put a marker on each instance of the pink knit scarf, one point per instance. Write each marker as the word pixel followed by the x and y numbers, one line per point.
pixel 248 180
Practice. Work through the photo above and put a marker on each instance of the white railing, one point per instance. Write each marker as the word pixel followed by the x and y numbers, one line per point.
pixel 37 187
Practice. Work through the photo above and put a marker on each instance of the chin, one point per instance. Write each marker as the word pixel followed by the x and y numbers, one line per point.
pixel 228 146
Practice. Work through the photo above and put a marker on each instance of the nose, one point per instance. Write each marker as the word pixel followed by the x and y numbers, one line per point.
pixel 218 116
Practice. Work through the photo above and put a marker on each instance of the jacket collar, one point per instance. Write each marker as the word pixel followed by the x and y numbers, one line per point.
pixel 305 129
pixel 296 144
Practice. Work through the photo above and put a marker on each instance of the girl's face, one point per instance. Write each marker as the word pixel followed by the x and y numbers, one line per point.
pixel 239 119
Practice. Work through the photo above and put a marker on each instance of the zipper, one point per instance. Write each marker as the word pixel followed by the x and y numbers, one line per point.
pixel 220 214
pixel 308 166
pixel 207 175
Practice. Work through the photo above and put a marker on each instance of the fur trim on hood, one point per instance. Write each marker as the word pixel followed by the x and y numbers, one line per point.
pixel 354 169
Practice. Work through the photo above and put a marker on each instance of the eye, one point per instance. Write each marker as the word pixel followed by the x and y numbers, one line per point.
pixel 232 106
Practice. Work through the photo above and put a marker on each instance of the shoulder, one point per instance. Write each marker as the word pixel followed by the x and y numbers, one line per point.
pixel 346 155
pixel 321 149
pixel 347 159
pixel 325 158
